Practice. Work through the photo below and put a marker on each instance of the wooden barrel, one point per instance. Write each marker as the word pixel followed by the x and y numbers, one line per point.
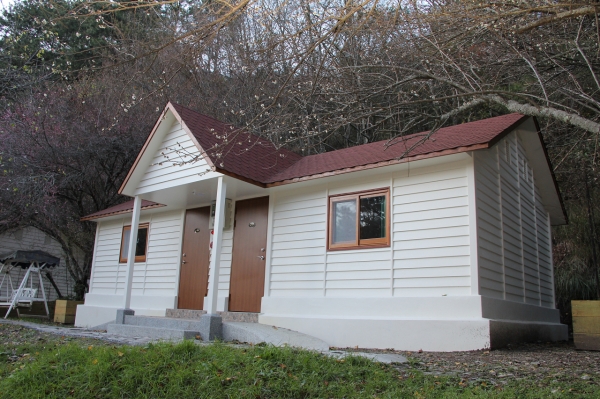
pixel 64 311
pixel 586 324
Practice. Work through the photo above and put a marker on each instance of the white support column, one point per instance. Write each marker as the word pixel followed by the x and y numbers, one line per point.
pixel 215 256
pixel 133 234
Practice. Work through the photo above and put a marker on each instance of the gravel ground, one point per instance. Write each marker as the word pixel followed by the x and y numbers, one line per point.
pixel 557 364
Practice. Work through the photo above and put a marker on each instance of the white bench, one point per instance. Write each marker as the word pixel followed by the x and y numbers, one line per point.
pixel 26 299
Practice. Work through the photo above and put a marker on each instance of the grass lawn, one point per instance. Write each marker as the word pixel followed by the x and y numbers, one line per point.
pixel 79 368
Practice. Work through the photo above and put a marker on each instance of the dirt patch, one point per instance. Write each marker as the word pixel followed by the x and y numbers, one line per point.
pixel 541 363
pixel 13 336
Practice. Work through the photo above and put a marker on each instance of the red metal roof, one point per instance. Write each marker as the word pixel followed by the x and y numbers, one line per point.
pixel 258 160
pixel 458 138
pixel 234 150
pixel 125 207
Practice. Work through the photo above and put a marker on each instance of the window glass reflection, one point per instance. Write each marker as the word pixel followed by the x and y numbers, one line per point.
pixel 344 216
pixel 372 217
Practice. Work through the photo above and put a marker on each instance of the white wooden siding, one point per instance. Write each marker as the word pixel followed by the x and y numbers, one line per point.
pixel 513 235
pixel 165 172
pixel 298 243
pixel 157 276
pixel 30 238
pixel 225 265
pixel 431 232
pixel 428 256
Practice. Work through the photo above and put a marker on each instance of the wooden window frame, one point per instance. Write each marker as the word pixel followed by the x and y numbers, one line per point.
pixel 359 244
pixel 139 258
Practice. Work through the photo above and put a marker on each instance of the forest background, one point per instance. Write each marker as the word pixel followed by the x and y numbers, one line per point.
pixel 83 82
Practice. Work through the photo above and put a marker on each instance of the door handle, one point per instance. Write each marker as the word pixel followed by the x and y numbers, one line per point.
pixel 261 257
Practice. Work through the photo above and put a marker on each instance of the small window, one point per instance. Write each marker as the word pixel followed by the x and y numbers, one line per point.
pixel 359 220
pixel 141 246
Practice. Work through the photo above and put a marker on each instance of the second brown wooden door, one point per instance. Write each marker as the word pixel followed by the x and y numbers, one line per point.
pixel 193 279
pixel 249 251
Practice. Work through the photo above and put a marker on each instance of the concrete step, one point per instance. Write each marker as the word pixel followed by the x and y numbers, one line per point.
pixel 241 317
pixel 185 314
pixel 163 322
pixel 169 334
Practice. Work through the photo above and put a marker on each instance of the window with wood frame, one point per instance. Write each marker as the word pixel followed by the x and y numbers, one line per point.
pixel 141 246
pixel 359 220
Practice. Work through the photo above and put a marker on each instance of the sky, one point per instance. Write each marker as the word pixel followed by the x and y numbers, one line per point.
pixel 5 3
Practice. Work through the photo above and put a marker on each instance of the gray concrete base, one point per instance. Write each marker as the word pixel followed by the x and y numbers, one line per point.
pixel 103 326
pixel 255 333
pixel 154 333
pixel 504 332
pixel 122 313
pixel 210 327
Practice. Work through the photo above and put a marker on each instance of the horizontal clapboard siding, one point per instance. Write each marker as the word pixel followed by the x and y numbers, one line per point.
pixel 513 234
pixel 157 276
pixel 29 238
pixel 225 266
pixel 172 164
pixel 106 266
pixel 298 244
pixel 429 254
pixel 431 246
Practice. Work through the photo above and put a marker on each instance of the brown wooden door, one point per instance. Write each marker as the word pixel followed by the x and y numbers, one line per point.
pixel 247 284
pixel 193 279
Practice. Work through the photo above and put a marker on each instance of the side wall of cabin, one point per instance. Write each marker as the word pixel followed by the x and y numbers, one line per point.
pixel 514 247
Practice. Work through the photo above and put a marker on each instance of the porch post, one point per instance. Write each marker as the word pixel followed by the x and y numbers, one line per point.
pixel 215 256
pixel 211 325
pixel 133 235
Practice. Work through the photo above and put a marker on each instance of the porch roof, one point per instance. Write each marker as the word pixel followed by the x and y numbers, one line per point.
pixel 125 207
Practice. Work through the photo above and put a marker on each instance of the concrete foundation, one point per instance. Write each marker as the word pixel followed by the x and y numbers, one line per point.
pixel 121 313
pixel 211 327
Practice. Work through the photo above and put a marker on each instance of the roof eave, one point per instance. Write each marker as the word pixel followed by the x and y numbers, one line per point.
pixel 560 198
pixel 395 161
pixel 123 212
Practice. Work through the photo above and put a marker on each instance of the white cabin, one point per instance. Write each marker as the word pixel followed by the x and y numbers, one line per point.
pixel 444 247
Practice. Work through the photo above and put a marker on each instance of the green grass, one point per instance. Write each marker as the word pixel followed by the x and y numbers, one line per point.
pixel 75 369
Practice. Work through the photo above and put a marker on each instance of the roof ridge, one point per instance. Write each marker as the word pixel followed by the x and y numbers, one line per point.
pixel 205 115
pixel 240 129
